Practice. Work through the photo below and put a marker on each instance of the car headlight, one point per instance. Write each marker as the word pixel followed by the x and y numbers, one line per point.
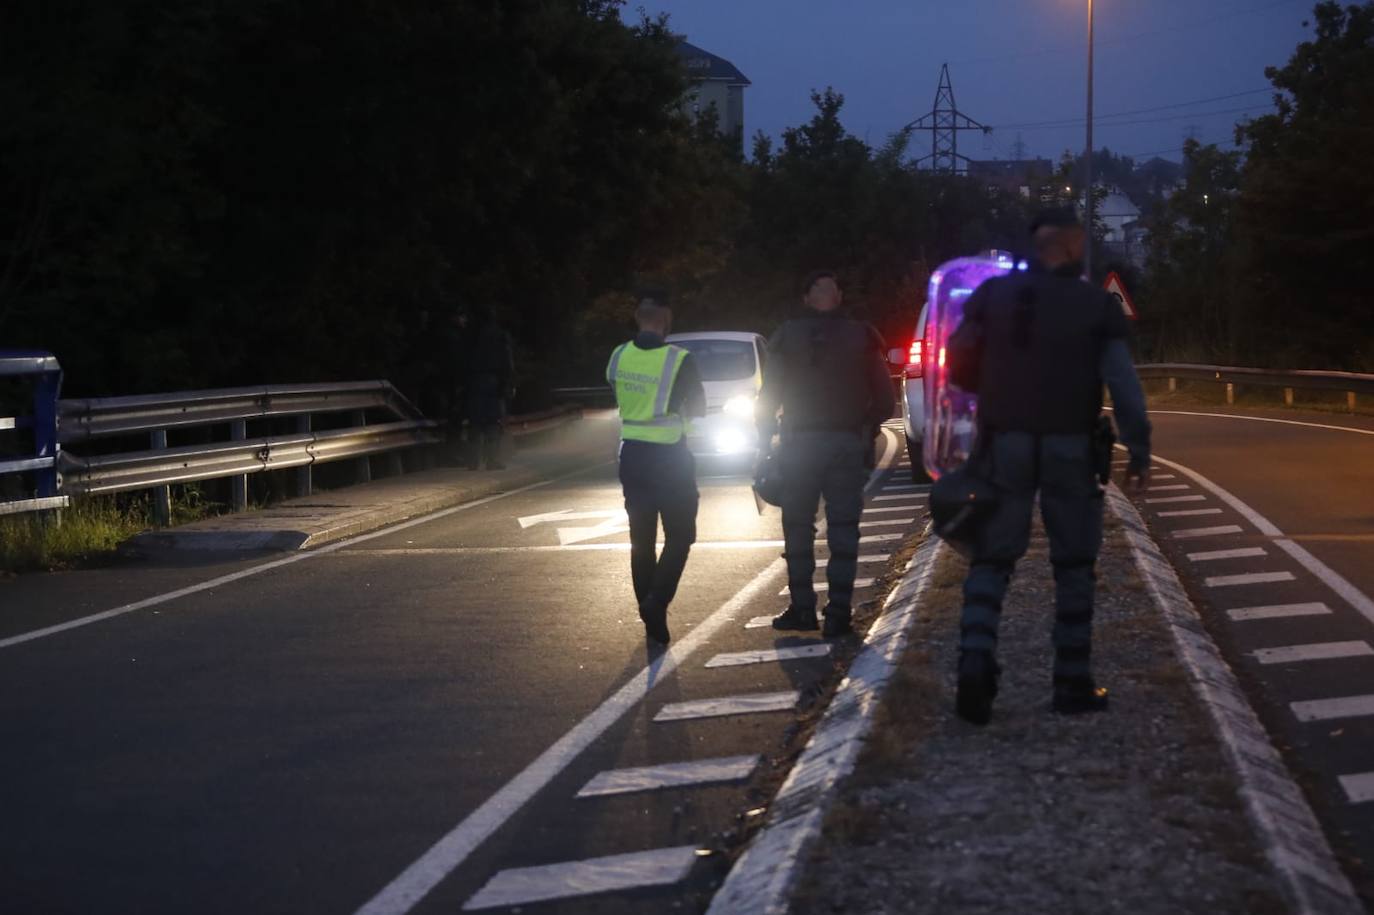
pixel 741 405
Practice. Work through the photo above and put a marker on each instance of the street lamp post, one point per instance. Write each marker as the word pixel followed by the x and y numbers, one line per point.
pixel 1088 160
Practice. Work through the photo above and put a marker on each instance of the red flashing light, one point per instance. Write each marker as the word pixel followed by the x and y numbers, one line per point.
pixel 914 366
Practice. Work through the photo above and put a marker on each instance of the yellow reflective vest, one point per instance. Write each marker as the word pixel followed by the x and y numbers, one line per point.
pixel 643 380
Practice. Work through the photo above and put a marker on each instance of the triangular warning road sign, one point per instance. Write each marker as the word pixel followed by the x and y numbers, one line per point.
pixel 1117 289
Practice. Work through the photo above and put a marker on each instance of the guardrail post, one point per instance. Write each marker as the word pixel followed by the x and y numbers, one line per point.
pixel 1230 393
pixel 1173 385
pixel 238 484
pixel 398 466
pixel 364 463
pixel 305 476
pixel 1288 397
pixel 1350 401
pixel 162 495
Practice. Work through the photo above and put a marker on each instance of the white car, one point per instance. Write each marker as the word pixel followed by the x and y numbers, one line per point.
pixel 912 364
pixel 731 366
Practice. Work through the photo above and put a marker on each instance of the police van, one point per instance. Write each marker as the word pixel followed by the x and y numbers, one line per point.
pixel 731 367
pixel 911 368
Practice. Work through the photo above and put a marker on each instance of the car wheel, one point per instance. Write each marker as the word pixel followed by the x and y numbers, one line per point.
pixel 918 467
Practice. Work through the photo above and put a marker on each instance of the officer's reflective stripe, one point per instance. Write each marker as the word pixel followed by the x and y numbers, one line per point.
pixel 665 381
pixel 615 362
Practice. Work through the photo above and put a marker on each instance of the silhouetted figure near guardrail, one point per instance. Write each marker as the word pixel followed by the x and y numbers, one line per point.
pixel 487 382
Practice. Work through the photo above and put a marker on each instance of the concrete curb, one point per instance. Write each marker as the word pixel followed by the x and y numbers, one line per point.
pixel 762 880
pixel 1287 829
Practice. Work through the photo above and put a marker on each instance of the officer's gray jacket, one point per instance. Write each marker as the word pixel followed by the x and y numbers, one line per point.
pixel 1049 343
pixel 826 371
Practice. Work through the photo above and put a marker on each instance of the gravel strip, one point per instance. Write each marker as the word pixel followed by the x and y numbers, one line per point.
pixel 1135 810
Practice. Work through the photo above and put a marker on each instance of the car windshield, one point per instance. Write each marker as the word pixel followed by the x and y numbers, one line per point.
pixel 721 360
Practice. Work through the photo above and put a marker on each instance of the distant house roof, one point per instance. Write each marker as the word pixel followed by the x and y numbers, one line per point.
pixel 703 65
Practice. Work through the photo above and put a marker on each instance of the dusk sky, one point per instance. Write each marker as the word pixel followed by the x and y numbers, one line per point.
pixel 1013 62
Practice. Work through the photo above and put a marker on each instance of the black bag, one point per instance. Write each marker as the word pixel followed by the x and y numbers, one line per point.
pixel 768 479
pixel 1104 440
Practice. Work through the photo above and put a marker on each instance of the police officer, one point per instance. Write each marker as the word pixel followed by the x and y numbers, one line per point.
pixel 1048 342
pixel 826 373
pixel 657 387
pixel 487 377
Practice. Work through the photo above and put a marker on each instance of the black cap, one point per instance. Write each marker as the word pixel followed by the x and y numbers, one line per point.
pixel 1058 217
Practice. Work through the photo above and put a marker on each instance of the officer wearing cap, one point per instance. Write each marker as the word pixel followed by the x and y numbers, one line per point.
pixel 657 387
pixel 1047 343
pixel 826 373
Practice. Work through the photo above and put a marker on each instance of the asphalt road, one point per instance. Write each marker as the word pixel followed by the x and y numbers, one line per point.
pixel 399 721
pixel 1269 518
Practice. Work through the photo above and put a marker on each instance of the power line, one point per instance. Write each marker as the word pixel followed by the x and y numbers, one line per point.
pixel 1071 122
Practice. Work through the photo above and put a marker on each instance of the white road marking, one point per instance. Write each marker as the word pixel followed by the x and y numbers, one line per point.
pixel 523 885
pixel 888 509
pixel 1329 577
pixel 769 655
pixel 1163 476
pixel 752 704
pixel 568 514
pixel 1278 611
pixel 1320 651
pixel 917 496
pixel 875 557
pixel 222 580
pixel 822 587
pixel 889 522
pixel 1206 531
pixel 1168 500
pixel 1190 513
pixel 1248 578
pixel 1359 788
pixel 907 488
pixel 670 775
pixel 1169 487
pixel 1248 552
pixel 572 547
pixel 759 622
pixel 1265 419
pixel 1327 709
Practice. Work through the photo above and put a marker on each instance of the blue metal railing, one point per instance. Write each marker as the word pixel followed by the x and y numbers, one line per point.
pixel 40 461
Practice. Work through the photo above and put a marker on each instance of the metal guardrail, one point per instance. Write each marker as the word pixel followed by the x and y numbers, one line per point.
pixel 1352 383
pixel 597 395
pixel 41 461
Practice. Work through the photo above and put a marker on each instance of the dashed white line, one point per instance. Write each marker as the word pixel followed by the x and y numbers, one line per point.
pixel 916 496
pixel 1171 500
pixel 907 488
pixel 1320 651
pixel 1192 532
pixel 1190 513
pixel 750 704
pixel 888 509
pixel 1359 788
pixel 1278 611
pixel 1248 578
pixel 1163 476
pixel 769 655
pixel 1172 487
pixel 1248 552
pixel 875 557
pixel 523 885
pixel 889 522
pixel 821 586
pixel 670 775
pixel 1327 709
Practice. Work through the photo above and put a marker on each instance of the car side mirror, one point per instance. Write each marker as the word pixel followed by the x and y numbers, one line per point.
pixel 896 356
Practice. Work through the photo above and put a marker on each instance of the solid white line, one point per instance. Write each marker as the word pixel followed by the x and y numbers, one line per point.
pixel 1330 577
pixel 1248 578
pixel 1320 651
pixel 1167 500
pixel 670 775
pixel 1327 709
pixel 450 851
pixel 822 586
pixel 523 885
pixel 274 564
pixel 752 704
pixel 1206 531
pixel 1169 487
pixel 904 498
pixel 1359 787
pixel 1278 611
pixel 1248 552
pixel 1190 513
pixel 769 655
pixel 889 522
pixel 1265 419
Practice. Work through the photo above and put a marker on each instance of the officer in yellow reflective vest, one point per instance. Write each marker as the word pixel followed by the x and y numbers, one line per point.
pixel 657 387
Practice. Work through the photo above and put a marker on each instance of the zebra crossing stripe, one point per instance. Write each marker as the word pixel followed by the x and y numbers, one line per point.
pixel 523 885
pixel 749 704
pixel 769 655
pixel 670 775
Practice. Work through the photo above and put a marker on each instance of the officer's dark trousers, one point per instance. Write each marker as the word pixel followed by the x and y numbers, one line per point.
pixel 1060 468
pixel 659 482
pixel 816 464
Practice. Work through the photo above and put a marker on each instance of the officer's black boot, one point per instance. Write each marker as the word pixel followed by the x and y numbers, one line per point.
pixel 655 623
pixel 796 619
pixel 977 688
pixel 837 622
pixel 1078 695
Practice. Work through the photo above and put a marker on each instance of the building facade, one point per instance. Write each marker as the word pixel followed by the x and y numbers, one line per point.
pixel 716 83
